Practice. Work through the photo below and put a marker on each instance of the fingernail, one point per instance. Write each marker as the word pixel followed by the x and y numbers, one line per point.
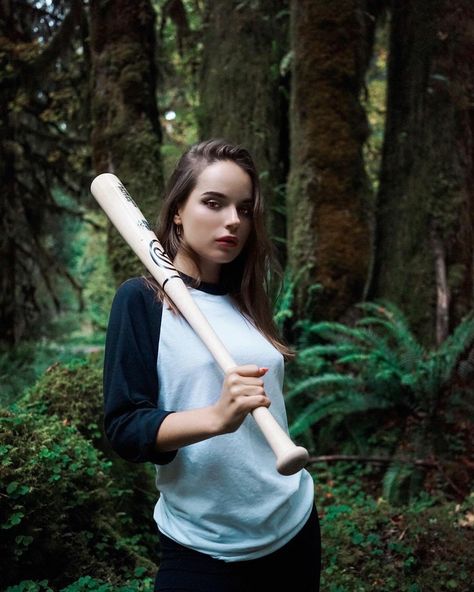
pixel 263 369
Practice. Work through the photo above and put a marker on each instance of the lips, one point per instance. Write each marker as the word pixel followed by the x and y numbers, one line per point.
pixel 231 241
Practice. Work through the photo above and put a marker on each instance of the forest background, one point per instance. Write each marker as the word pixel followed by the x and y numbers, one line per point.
pixel 360 116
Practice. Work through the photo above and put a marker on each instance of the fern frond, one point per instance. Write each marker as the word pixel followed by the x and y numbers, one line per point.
pixel 404 339
pixel 333 331
pixel 393 481
pixel 284 303
pixel 335 404
pixel 353 358
pixel 455 346
pixel 314 383
pixel 390 316
pixel 327 349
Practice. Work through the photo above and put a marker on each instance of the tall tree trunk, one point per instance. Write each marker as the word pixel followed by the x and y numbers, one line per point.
pixel 243 96
pixel 11 321
pixel 328 193
pixel 126 134
pixel 425 222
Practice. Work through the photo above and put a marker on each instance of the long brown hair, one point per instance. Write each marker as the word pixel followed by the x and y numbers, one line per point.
pixel 249 276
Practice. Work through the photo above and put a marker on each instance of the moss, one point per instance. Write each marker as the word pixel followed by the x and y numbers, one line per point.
pixel 126 133
pixel 71 394
pixel 57 513
pixel 329 234
pixel 373 546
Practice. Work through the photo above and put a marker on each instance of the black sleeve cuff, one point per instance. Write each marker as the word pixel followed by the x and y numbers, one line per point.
pixel 133 436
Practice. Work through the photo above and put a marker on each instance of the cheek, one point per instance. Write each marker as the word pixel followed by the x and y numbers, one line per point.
pixel 197 219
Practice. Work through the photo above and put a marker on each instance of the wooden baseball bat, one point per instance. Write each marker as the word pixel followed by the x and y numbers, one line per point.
pixel 126 216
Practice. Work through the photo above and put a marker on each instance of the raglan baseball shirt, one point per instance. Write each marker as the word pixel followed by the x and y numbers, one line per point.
pixel 222 496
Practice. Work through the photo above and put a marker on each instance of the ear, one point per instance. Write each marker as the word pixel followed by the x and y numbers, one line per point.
pixel 177 219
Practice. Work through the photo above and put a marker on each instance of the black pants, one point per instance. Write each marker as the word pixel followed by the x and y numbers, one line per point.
pixel 293 568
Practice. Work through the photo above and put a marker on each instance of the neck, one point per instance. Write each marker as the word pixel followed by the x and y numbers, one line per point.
pixel 208 273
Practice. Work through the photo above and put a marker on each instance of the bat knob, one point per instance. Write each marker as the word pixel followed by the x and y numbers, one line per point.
pixel 292 461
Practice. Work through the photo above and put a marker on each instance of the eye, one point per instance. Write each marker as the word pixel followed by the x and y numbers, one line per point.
pixel 212 204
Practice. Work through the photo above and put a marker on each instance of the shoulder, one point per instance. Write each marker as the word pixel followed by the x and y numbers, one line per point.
pixel 135 298
pixel 137 290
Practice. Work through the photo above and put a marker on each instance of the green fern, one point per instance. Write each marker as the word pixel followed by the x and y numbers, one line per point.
pixel 335 406
pixel 283 306
pixel 377 364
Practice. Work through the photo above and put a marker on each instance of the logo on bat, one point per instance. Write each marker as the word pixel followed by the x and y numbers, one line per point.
pixel 144 224
pixel 126 194
pixel 159 256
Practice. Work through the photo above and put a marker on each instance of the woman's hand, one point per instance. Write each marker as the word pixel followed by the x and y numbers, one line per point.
pixel 242 392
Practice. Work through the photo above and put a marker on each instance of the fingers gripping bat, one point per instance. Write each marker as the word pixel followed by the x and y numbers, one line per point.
pixel 126 216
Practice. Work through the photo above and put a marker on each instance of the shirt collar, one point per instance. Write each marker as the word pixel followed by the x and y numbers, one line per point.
pixel 209 288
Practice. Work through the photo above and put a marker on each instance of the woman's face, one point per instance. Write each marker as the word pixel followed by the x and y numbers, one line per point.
pixel 216 219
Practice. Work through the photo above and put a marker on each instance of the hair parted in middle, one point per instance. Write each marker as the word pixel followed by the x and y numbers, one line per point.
pixel 247 278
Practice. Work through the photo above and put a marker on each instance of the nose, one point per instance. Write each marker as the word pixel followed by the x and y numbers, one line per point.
pixel 233 219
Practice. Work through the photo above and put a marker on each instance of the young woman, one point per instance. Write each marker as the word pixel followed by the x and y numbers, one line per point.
pixel 227 520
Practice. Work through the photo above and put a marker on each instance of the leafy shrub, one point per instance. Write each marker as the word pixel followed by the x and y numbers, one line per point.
pixel 370 545
pixel 22 366
pixel 377 370
pixel 58 505
pixel 73 394
pixel 85 584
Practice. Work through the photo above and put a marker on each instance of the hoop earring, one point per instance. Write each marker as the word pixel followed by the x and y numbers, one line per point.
pixel 178 230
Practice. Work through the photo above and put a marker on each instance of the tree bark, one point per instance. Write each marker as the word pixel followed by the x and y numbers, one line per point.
pixel 425 221
pixel 126 134
pixel 243 94
pixel 328 191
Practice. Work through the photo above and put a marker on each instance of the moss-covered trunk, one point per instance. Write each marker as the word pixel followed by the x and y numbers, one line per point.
pixel 242 90
pixel 328 193
pixel 425 221
pixel 126 134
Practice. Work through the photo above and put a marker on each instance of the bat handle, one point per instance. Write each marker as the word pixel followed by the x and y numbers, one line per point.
pixel 289 458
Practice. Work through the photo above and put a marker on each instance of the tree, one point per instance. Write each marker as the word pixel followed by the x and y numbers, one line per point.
pixel 328 192
pixel 242 92
pixel 425 206
pixel 126 133
pixel 42 150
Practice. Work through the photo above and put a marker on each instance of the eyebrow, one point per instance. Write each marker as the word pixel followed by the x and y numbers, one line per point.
pixel 224 196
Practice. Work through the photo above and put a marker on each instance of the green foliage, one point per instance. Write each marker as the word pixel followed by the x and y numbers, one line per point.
pixel 73 394
pixel 22 366
pixel 56 507
pixel 66 510
pixel 283 308
pixel 44 124
pixel 358 375
pixel 369 544
pixel 87 583
pixel 90 266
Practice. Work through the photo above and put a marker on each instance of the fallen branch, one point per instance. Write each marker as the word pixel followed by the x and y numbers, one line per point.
pixel 383 460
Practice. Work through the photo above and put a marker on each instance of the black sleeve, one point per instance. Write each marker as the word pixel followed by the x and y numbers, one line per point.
pixel 132 416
